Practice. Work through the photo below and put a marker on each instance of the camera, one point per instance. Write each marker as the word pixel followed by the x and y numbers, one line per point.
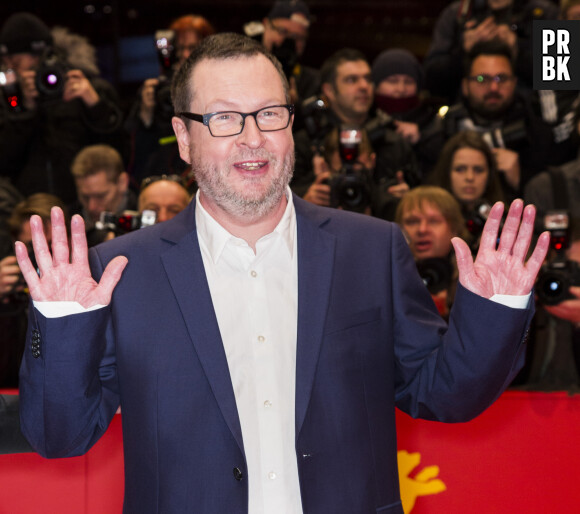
pixel 125 222
pixel 351 187
pixel 436 273
pixel 166 53
pixel 51 76
pixel 558 274
pixel 314 112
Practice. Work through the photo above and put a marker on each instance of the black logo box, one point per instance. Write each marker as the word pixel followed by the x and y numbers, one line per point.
pixel 573 63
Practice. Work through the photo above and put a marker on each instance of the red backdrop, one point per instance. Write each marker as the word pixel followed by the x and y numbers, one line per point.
pixel 520 456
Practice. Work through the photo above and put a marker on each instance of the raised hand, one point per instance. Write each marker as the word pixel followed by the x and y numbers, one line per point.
pixel 65 275
pixel 503 270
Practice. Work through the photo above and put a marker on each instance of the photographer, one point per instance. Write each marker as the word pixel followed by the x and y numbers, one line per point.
pixel 149 120
pixel 348 96
pixel 492 106
pixel 102 186
pixel 61 105
pixel 430 217
pixel 462 24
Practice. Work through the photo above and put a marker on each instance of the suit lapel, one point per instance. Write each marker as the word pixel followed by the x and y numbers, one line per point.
pixel 184 267
pixel 315 270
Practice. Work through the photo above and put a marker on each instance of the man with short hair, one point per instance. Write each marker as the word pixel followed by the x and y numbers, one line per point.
pixel 166 195
pixel 102 186
pixel 348 88
pixel 492 106
pixel 258 344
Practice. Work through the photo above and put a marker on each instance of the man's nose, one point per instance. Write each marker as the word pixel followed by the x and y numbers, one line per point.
pixel 423 226
pixel 251 135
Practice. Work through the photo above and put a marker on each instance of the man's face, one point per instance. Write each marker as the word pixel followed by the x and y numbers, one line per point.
pixel 165 197
pixel 352 94
pixel 242 177
pixel 573 13
pixel 428 232
pixel 490 98
pixel 469 175
pixel 279 29
pixel 21 62
pixel 397 86
pixel 186 41
pixel 97 193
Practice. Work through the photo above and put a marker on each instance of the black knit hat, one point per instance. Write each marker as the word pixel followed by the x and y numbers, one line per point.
pixel 24 33
pixel 289 9
pixel 397 61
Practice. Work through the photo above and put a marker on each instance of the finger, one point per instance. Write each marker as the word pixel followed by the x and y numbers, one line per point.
pixel 39 244
pixel 60 250
pixel 26 267
pixel 511 227
pixel 463 257
pixel 111 277
pixel 525 233
pixel 79 252
pixel 400 177
pixel 539 254
pixel 575 291
pixel 491 228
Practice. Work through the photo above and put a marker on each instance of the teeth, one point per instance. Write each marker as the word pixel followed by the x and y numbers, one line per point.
pixel 251 166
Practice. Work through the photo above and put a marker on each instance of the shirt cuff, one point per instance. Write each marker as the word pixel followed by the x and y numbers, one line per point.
pixel 60 309
pixel 513 301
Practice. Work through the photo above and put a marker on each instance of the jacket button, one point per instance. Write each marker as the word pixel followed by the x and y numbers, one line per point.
pixel 238 475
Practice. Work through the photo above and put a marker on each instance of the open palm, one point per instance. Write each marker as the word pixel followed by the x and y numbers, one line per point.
pixel 502 269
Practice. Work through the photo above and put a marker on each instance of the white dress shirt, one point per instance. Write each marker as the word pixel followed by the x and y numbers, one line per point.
pixel 255 298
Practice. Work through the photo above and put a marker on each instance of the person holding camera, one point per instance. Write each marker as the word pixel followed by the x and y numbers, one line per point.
pixel 60 106
pixel 463 24
pixel 102 185
pixel 492 106
pixel 348 89
pixel 430 217
pixel 149 119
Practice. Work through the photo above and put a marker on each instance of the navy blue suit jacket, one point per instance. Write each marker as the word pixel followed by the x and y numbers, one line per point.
pixel 369 339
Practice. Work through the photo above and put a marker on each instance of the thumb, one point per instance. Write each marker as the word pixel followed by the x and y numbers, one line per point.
pixel 111 277
pixel 400 177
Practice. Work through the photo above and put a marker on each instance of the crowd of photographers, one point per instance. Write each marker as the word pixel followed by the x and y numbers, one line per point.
pixel 429 145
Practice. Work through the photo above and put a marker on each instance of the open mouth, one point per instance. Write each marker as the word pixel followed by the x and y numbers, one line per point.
pixel 250 165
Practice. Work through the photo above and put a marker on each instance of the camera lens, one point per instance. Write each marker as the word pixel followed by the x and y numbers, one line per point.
pixel 552 287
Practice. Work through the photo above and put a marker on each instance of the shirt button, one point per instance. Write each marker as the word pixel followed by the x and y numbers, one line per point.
pixel 267 404
pixel 253 273
pixel 261 339
pixel 272 475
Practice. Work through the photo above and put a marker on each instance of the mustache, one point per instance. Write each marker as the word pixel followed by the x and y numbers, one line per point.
pixel 492 95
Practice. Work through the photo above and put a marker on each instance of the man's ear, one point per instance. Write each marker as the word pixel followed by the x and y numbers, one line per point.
pixel 182 135
pixel 328 91
pixel 123 181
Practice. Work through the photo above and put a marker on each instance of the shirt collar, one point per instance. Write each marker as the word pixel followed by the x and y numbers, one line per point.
pixel 215 237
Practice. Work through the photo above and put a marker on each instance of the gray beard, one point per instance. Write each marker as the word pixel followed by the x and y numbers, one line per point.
pixel 249 207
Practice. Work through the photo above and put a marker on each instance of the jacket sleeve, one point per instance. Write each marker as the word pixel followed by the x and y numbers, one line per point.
pixel 68 382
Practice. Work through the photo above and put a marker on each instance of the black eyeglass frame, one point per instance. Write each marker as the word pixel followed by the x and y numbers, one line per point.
pixel 486 79
pixel 204 118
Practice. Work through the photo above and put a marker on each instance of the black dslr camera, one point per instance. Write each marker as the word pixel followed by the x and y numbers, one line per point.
pixel 351 187
pixel 556 277
pixel 436 273
pixel 126 222
pixel 166 53
pixel 51 76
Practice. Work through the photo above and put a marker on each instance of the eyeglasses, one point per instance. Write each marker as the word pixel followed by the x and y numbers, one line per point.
pixel 486 80
pixel 147 181
pixel 231 123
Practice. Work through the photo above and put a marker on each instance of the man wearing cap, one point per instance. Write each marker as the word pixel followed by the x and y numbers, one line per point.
pixel 284 32
pixel 398 79
pixel 59 106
